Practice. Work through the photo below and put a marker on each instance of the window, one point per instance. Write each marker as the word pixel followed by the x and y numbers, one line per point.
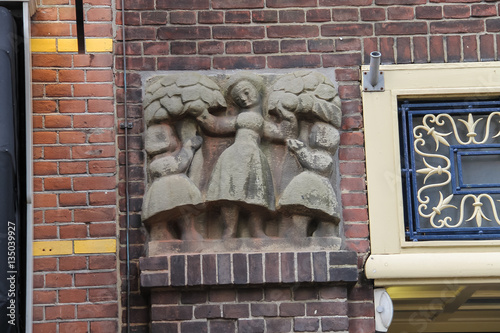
pixel 450 153
pixel 410 242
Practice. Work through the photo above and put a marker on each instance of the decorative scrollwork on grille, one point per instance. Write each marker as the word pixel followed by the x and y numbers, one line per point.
pixel 437 173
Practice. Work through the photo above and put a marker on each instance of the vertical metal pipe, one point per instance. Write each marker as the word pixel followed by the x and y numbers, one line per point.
pixel 373 74
pixel 127 196
pixel 80 27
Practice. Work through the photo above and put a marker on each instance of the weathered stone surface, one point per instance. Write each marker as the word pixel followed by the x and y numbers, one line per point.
pixel 244 245
pixel 240 156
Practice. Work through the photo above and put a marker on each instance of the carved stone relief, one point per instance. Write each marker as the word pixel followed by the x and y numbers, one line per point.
pixel 241 156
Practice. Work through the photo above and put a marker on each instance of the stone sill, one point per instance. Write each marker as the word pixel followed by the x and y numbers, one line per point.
pixel 244 245
pixel 223 269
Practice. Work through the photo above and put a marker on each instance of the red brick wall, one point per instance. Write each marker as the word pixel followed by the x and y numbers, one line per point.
pixel 74 172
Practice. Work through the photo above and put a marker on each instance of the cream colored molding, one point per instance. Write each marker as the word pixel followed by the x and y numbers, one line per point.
pixel 440 266
pixel 384 173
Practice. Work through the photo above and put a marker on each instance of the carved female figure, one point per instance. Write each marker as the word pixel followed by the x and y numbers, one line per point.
pixel 310 194
pixel 172 196
pixel 242 177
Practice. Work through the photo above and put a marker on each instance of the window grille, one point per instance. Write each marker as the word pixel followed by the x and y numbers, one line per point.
pixel 450 164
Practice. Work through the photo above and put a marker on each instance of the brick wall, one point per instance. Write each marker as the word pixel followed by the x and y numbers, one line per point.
pixel 75 280
pixel 273 309
pixel 78 200
pixel 256 34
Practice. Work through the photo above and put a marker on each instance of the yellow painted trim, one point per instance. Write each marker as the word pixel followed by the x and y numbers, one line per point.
pixel 67 45
pixel 87 246
pixel 426 261
pixel 92 45
pixel 95 246
pixel 99 45
pixel 52 248
pixel 43 45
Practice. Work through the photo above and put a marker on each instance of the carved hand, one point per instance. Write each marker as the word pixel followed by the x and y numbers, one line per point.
pixel 197 108
pixel 194 143
pixel 203 115
pixel 294 144
pixel 286 115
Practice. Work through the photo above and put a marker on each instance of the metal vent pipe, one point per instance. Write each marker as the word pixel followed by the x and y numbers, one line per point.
pixel 373 74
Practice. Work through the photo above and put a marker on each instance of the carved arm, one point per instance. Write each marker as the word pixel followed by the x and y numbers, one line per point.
pixel 287 128
pixel 311 159
pixel 217 125
pixel 163 164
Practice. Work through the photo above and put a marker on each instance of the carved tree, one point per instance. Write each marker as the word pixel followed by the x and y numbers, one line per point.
pixel 170 105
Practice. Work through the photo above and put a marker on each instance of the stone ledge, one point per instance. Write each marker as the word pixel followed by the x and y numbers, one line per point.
pixel 222 269
pixel 244 245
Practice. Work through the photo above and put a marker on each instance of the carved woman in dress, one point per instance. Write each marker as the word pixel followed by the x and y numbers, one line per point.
pixel 241 178
pixel 310 194
pixel 172 198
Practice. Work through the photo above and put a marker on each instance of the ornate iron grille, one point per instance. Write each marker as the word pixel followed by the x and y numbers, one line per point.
pixel 450 162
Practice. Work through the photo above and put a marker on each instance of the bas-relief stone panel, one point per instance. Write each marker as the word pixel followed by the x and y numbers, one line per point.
pixel 241 162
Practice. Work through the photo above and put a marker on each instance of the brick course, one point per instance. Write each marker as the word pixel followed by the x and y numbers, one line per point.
pixel 314 307
pixel 245 269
